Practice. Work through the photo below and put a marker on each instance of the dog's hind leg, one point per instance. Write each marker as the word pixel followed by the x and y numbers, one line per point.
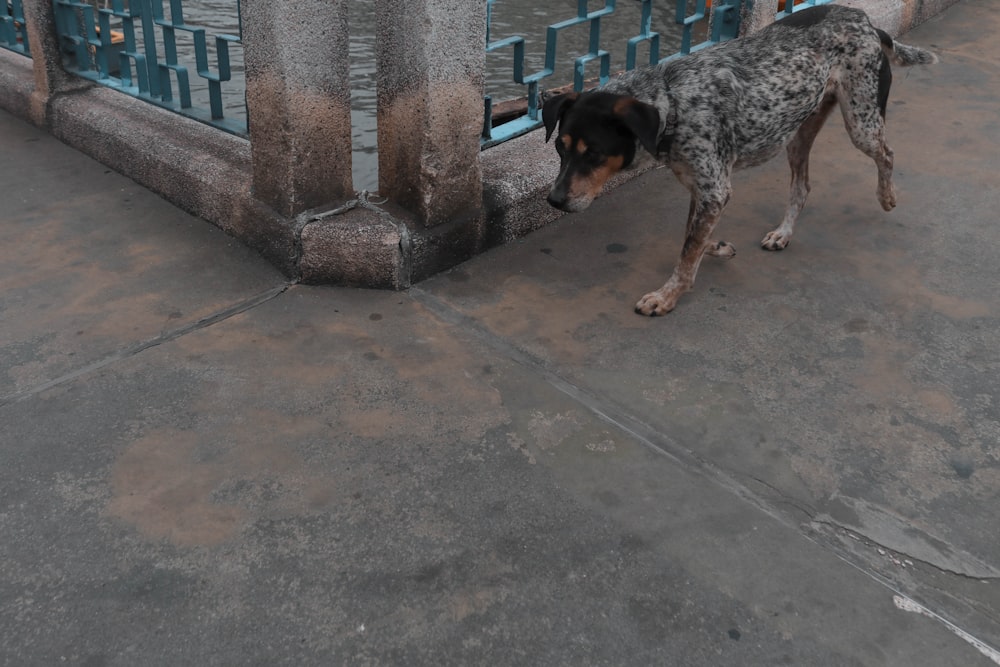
pixel 798 160
pixel 863 108
pixel 870 140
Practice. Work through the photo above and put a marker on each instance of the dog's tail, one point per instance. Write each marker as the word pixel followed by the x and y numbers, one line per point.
pixel 904 54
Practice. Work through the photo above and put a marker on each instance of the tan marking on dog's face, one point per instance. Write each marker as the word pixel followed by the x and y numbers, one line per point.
pixel 584 188
pixel 566 140
pixel 581 146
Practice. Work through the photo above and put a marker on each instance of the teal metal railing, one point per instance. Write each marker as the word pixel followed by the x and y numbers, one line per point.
pixel 144 48
pixel 799 5
pixel 690 16
pixel 13 34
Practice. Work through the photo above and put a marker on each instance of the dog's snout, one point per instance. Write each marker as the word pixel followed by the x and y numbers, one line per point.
pixel 557 199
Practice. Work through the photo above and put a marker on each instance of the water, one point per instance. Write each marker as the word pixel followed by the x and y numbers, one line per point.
pixel 527 18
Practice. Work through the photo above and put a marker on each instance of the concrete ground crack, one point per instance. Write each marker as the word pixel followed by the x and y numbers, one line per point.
pixel 781 497
pixel 605 409
pixel 165 337
pixel 897 556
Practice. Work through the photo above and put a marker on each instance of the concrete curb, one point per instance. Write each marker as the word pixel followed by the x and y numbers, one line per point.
pixel 17 83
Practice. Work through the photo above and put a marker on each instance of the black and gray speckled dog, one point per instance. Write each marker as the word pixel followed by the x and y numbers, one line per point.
pixel 734 105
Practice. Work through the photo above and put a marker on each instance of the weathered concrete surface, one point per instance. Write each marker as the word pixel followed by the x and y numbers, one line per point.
pixel 506 465
pixel 851 379
pixel 84 275
pixel 306 484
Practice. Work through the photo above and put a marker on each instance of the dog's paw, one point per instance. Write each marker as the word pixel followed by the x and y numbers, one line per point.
pixel 776 240
pixel 656 303
pixel 887 197
pixel 722 249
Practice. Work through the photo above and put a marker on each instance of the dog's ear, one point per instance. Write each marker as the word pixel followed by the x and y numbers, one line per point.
pixel 553 110
pixel 641 119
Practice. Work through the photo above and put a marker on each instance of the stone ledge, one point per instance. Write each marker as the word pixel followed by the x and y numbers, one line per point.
pixel 200 169
pixel 17 83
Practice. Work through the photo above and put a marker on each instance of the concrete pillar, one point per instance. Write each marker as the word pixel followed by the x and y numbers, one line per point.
pixel 757 14
pixel 46 59
pixel 430 58
pixel 298 102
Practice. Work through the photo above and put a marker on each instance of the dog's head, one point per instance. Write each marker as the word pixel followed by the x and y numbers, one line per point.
pixel 598 136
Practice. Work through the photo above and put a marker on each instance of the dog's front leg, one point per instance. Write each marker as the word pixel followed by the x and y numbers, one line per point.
pixel 703 215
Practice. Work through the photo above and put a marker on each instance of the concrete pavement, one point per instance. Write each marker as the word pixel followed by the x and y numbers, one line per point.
pixel 203 464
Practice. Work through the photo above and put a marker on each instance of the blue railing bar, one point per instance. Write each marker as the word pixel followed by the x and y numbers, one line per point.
pixel 487 118
pixel 518 44
pixel 489 21
pixel 510 130
pixel 552 32
pixel 129 55
pixel 78 41
pixel 147 15
pixel 170 54
pixel 93 47
pixel 646 34
pixel 551 45
pixel 791 7
pixel 225 124
pixel 595 36
pixel 580 67
pixel 726 23
pixel 215 80
pixel 687 22
pixel 101 54
pixel 12 27
pixel 533 101
pixel 594 52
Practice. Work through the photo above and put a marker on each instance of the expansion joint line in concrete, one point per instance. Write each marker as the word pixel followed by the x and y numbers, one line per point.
pixel 603 408
pixel 785 499
pixel 661 444
pixel 164 337
pixel 828 523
